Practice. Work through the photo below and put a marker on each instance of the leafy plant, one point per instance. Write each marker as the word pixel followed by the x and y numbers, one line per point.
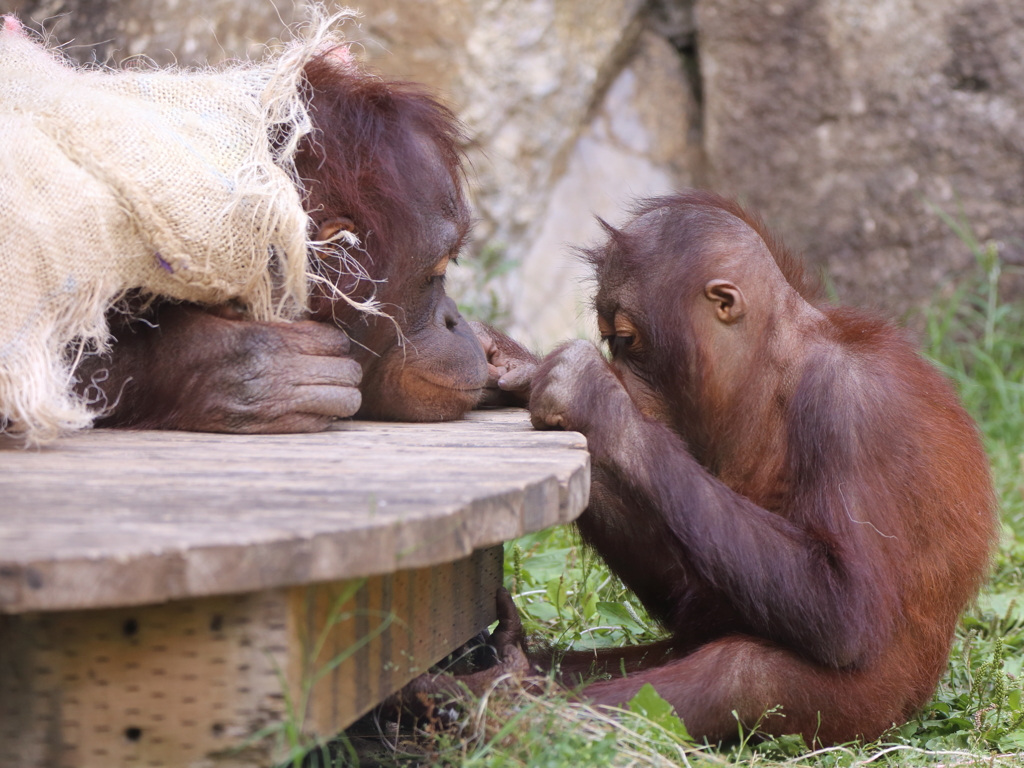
pixel 568 598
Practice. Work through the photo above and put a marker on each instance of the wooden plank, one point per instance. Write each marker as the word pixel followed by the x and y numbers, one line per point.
pixel 186 683
pixel 114 518
pixel 408 622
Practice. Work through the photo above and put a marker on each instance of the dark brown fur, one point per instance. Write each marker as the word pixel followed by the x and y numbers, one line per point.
pixel 788 487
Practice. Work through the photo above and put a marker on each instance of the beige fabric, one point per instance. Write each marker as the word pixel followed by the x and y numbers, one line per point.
pixel 164 181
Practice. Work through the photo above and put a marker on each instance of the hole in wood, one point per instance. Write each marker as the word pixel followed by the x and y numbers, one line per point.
pixel 133 733
pixel 130 628
pixel 216 623
pixel 217 729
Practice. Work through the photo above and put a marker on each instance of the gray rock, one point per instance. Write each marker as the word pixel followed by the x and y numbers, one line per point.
pixel 845 123
pixel 185 32
pixel 526 77
pixel 639 142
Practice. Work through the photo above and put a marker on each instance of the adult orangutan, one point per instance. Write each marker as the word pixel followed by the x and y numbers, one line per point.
pixel 384 163
pixel 788 487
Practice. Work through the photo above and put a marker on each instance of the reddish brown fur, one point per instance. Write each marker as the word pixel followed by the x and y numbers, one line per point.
pixel 807 531
pixel 358 164
pixel 388 157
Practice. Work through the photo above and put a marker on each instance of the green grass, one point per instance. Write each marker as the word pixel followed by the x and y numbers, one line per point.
pixel 568 598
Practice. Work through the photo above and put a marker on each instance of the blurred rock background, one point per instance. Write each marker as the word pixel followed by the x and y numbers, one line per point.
pixel 844 123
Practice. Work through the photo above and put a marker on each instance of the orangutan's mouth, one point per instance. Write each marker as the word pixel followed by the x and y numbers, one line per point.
pixel 425 377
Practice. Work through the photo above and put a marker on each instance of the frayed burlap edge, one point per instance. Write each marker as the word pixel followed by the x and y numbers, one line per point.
pixel 37 398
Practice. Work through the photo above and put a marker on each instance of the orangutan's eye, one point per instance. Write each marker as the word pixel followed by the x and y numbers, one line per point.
pixel 441 267
pixel 329 229
pixel 620 334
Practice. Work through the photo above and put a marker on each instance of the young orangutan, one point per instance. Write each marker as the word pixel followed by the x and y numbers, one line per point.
pixel 788 487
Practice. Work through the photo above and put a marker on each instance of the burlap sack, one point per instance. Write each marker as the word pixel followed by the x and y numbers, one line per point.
pixel 176 183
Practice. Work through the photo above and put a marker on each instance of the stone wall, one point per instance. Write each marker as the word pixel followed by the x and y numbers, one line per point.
pixel 843 122
pixel 847 122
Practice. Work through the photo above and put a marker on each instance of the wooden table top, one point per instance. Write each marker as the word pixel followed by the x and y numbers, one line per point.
pixel 107 517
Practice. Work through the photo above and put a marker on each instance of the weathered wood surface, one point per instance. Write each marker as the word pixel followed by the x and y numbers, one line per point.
pixel 161 594
pixel 115 518
pixel 188 683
